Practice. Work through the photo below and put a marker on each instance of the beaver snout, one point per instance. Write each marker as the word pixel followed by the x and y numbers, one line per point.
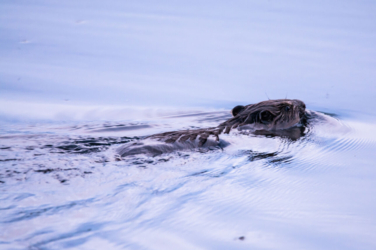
pixel 301 111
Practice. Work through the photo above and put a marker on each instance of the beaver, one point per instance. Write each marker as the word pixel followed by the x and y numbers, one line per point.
pixel 260 118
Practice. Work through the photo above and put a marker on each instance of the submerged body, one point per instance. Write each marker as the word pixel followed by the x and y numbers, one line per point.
pixel 270 116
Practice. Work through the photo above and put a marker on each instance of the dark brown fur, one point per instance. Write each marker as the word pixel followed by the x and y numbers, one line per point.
pixel 266 116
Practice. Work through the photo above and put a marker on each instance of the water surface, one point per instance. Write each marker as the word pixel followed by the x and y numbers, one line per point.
pixel 78 80
pixel 63 187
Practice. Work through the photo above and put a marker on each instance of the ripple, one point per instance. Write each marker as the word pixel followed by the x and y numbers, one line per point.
pixel 84 229
pixel 33 213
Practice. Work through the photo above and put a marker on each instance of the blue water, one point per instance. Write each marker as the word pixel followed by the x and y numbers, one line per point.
pixel 63 187
pixel 78 80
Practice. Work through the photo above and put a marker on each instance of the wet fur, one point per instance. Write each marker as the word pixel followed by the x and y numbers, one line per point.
pixel 271 115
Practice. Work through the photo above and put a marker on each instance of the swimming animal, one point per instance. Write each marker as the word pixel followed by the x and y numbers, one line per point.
pixel 271 116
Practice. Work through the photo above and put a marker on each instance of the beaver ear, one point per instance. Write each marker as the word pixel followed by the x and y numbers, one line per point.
pixel 237 110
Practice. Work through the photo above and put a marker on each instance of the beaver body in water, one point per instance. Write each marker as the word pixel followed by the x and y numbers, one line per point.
pixel 272 116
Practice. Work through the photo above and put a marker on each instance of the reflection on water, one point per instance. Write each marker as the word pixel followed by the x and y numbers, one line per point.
pixel 308 188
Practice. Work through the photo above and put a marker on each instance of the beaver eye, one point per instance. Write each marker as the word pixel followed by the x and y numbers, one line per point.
pixel 287 108
pixel 266 117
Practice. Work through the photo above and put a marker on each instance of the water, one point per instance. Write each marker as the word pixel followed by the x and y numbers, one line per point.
pixel 78 80
pixel 63 187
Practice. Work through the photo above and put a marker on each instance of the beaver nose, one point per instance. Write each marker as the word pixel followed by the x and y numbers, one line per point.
pixel 301 112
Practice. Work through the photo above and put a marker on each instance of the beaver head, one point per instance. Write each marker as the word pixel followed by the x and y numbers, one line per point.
pixel 267 115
